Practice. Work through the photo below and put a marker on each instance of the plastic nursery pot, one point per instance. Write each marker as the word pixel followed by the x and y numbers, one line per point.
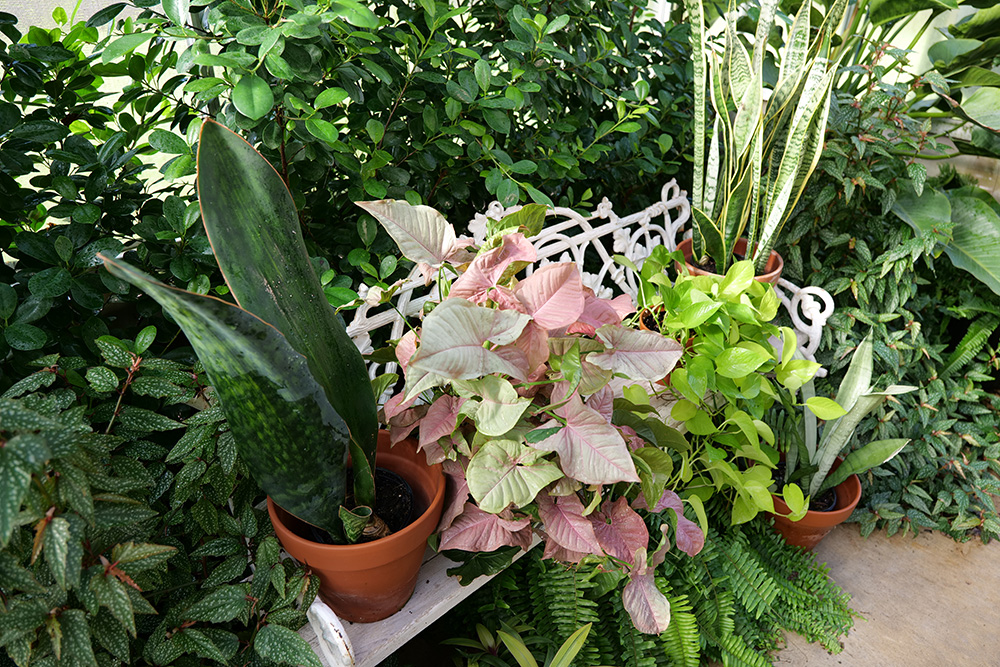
pixel 367 582
pixel 814 526
pixel 772 270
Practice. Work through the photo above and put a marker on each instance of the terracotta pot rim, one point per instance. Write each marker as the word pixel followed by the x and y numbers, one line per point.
pixel 850 488
pixel 774 259
pixel 358 550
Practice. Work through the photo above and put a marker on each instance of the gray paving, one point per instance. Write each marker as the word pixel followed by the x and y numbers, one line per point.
pixel 928 602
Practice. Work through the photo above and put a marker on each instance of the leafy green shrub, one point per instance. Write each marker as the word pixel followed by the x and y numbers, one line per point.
pixel 451 106
pixel 130 541
pixel 75 182
pixel 930 321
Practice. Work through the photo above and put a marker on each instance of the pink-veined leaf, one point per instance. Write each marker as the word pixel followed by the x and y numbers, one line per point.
pixel 405 349
pixel 690 539
pixel 452 339
pixel 638 355
pixel 476 530
pixel 648 608
pixel 534 342
pixel 456 493
pixel 441 419
pixel 553 295
pixel 563 520
pixel 590 449
pixel 603 401
pixel 620 530
pixel 554 551
pixel 505 472
pixel 480 280
pixel 597 312
pixel 422 234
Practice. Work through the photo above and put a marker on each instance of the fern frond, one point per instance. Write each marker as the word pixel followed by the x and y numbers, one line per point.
pixel 972 342
pixel 736 653
pixel 681 643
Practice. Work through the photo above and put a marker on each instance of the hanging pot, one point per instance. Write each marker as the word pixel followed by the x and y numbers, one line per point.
pixel 367 582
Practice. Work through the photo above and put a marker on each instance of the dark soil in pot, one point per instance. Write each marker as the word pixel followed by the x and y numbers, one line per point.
pixel 824 502
pixel 395 503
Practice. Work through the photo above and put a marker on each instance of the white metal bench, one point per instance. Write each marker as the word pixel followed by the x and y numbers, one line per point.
pixel 567 236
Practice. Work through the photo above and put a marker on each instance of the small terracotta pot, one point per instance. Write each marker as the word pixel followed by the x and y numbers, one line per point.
pixel 367 582
pixel 772 270
pixel 814 526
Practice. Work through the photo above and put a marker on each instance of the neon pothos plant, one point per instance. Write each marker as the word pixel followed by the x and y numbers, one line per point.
pixel 518 385
pixel 808 462
pixel 291 382
pixel 752 168
pixel 729 377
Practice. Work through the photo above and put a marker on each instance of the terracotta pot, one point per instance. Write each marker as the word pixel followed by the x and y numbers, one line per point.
pixel 772 270
pixel 814 526
pixel 367 582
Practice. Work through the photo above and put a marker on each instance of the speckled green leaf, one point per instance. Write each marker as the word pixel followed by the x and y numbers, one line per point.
pixel 223 604
pixel 102 378
pixel 285 430
pixel 111 593
pixel 264 260
pixel 285 646
pixel 114 352
pixel 56 542
pixel 76 647
pixel 14 480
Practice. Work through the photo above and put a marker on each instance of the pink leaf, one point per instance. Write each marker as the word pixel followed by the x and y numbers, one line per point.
pixel 646 605
pixel 564 523
pixel 422 234
pixel 480 280
pixel 620 530
pixel 553 295
pixel 453 336
pixel 440 420
pixel 632 438
pixel 396 405
pixel 534 342
pixel 590 449
pixel 456 493
pixel 403 423
pixel 689 537
pixel 556 552
pixel 661 553
pixel 603 401
pixel 476 530
pixel 405 348
pixel 638 355
pixel 597 312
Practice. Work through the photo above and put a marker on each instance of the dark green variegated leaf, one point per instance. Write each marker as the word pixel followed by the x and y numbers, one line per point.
pixel 286 431
pixel 284 646
pixel 223 604
pixel 251 219
pixel 14 480
pixel 76 638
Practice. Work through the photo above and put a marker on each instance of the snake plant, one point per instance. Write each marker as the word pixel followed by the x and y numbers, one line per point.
pixel 855 400
pixel 291 382
pixel 752 165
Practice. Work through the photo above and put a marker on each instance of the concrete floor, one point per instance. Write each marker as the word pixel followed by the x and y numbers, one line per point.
pixel 39 12
pixel 928 602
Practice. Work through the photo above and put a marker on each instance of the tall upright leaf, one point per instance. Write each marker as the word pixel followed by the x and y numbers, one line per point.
pixel 285 429
pixel 254 229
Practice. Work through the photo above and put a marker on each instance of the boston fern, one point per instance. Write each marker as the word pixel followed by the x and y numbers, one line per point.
pixel 117 543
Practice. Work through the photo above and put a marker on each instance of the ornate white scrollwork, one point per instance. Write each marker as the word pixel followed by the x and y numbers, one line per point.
pixel 590 242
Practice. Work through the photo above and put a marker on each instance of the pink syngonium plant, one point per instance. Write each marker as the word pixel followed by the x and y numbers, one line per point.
pixel 513 376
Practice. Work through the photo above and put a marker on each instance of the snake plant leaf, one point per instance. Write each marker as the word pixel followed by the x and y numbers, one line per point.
pixel 858 378
pixel 797 49
pixel 354 522
pixel 696 19
pixel 254 230
pixel 870 456
pixel 286 431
